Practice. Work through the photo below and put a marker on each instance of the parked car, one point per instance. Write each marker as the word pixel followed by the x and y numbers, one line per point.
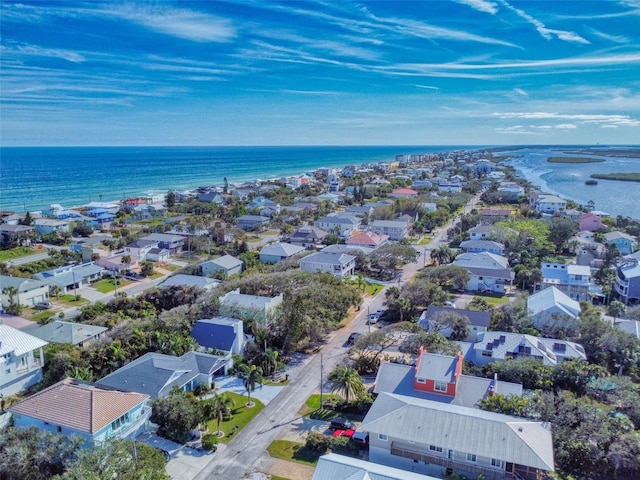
pixel 344 433
pixel 353 337
pixel 43 305
pixel 341 423
pixel 361 439
pixel 374 317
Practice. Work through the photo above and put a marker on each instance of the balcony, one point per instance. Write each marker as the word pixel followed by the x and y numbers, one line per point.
pixel 132 427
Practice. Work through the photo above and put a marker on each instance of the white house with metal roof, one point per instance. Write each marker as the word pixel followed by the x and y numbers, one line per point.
pixel 550 307
pixel 338 467
pixel 488 272
pixel 227 264
pixel 338 264
pixel 426 437
pixel 21 360
pixel 277 252
pixel 572 280
pixel 255 307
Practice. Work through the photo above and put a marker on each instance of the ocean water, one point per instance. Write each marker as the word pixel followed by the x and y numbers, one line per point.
pixel 33 178
pixel 567 179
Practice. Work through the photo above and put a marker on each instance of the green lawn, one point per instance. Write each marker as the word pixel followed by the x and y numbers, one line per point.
pixel 70 300
pixel 42 317
pixel 372 289
pixel 275 477
pixel 492 300
pixel 14 253
pixel 294 452
pixel 312 409
pixel 106 285
pixel 242 415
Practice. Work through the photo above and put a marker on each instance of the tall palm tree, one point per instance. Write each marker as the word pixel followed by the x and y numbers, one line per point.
pixel 442 254
pixel 270 362
pixel 346 382
pixel 219 406
pixel 251 375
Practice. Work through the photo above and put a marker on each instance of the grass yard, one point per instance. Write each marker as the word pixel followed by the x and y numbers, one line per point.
pixel 41 317
pixel 241 416
pixel 312 409
pixel 275 477
pixel 294 452
pixel 106 285
pixel 372 289
pixel 69 300
pixel 17 252
pixel 492 300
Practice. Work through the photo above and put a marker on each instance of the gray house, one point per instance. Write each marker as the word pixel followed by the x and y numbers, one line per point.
pixel 252 222
pixel 255 307
pixel 227 264
pixel 156 374
pixel 68 332
pixel 338 264
pixel 279 251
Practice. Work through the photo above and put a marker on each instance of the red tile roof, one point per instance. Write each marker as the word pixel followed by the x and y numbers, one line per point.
pixel 78 405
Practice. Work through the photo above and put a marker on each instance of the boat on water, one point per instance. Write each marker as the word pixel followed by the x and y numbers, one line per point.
pixel 591 182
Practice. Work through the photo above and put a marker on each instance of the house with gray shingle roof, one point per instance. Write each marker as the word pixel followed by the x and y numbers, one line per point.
pixel 70 277
pixel 342 224
pixel 338 264
pixel 550 307
pixel 68 332
pixel 478 320
pixel 488 272
pixel 227 264
pixel 426 437
pixel 184 280
pixel 90 411
pixel 276 252
pixel 30 291
pixel 307 236
pixel 21 360
pixel 155 374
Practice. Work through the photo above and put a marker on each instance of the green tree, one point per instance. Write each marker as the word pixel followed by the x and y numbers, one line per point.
pixel 218 407
pixel 146 268
pixel 251 375
pixel 176 415
pixel 170 199
pixel 458 324
pixel 442 255
pixel 561 229
pixel 346 382
pixel 14 307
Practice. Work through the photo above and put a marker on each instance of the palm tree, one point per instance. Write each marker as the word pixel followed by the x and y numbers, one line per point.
pixel 219 406
pixel 270 362
pixel 252 375
pixel 55 290
pixel 442 254
pixel 14 307
pixel 346 382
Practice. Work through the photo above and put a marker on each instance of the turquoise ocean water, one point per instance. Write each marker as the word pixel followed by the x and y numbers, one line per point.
pixel 33 178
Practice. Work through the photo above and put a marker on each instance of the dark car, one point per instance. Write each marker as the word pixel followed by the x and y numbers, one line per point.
pixel 353 337
pixel 361 439
pixel 341 423
pixel 42 305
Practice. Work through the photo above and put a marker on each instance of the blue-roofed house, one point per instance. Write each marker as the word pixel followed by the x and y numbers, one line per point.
pixel 156 374
pixel 477 246
pixel 224 334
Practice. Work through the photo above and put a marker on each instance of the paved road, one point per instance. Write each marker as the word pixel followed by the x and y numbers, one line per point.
pixel 247 448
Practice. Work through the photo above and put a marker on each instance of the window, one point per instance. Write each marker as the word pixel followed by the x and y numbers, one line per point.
pixel 440 386
pixel 383 437
pixel 435 448
pixel 422 380
pixel 471 457
pixel 496 463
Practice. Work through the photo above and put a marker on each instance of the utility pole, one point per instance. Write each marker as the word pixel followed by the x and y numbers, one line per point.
pixel 321 373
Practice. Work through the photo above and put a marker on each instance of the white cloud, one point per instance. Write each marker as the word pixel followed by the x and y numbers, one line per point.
pixel 36 51
pixel 481 5
pixel 177 22
pixel 547 33
pixel 519 91
pixel 566 126
pixel 515 130
pixel 611 38
pixel 618 120
pixel 428 87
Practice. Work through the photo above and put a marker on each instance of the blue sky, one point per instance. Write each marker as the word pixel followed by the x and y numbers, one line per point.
pixel 464 72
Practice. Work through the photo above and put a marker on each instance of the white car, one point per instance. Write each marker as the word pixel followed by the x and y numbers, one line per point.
pixel 374 317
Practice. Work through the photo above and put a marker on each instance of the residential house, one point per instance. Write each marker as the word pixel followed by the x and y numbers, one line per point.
pixel 439 378
pixel 626 243
pixel 46 226
pixel 572 280
pixel 184 280
pixel 590 222
pixel 425 436
pixel 546 203
pixel 478 246
pixel 277 252
pixel 339 467
pixel 511 191
pixel 627 284
pixel 403 193
pixel 19 235
pixel 480 232
pixel 158 254
pixel 21 360
pixel 338 264
pixel 360 210
pixel 551 308
pixel 86 410
pixel 396 230
pixel 252 222
pixel 156 374
pixel 307 236
pixel 80 334
pixel 211 196
pixel 139 249
pixel 494 346
pixel 483 166
pixel 342 225
pixel 444 186
pixel 28 291
pixel 254 307
pixel 631 327
pixel 422 184
pixel 169 241
pixel 367 240
pixel 223 334
pixel 56 210
pixel 72 277
pixel 478 320
pixel 227 264
pixel 488 272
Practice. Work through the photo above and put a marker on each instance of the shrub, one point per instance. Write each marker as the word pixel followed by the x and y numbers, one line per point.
pixel 209 441
pixel 317 441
